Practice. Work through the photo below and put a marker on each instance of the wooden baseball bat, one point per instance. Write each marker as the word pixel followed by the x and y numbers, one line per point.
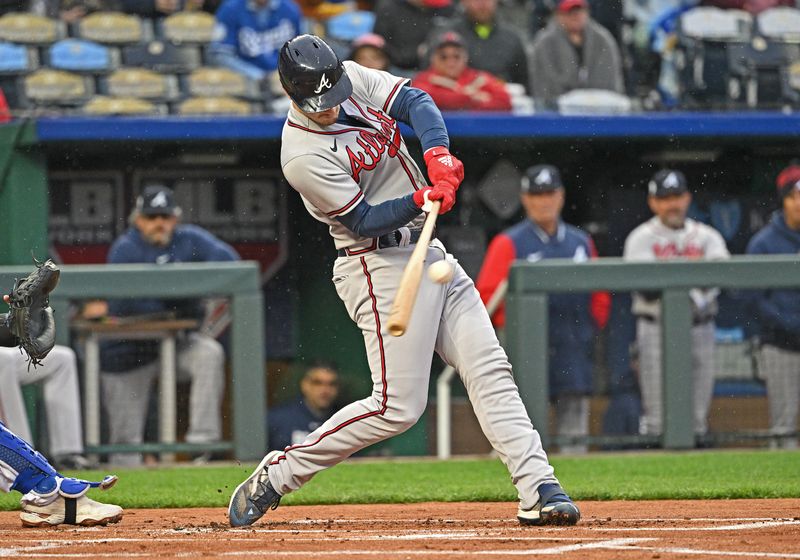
pixel 412 275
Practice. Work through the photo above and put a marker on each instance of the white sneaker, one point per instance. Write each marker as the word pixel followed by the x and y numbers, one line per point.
pixel 72 511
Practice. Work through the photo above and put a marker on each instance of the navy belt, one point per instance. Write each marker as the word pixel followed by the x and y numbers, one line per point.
pixel 393 239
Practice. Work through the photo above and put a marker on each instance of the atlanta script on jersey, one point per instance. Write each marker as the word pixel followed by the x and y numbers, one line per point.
pixel 336 167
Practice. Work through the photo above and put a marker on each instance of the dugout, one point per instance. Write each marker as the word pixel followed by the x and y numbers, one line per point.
pixel 68 182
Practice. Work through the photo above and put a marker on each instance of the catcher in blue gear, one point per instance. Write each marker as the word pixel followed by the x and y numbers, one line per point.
pixel 48 497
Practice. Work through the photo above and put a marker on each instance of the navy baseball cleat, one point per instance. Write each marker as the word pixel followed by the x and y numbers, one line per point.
pixel 553 508
pixel 253 497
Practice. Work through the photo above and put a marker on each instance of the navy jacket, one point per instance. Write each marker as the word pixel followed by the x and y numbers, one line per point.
pixel 571 328
pixel 189 243
pixel 778 310
pixel 289 424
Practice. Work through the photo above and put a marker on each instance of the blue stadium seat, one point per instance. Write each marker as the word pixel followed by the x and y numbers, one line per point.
pixel 17 59
pixel 77 55
pixel 350 25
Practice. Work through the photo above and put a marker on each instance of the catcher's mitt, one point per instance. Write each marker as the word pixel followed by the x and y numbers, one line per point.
pixel 30 318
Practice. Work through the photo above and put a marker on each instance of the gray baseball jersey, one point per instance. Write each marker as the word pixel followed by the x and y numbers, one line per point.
pixel 337 167
pixel 651 241
pixel 334 168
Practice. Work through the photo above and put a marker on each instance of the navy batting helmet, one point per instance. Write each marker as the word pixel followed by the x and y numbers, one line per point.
pixel 312 74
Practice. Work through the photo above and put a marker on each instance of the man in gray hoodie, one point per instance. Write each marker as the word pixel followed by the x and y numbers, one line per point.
pixel 574 52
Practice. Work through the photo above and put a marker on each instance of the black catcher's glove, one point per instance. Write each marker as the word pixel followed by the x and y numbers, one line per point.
pixel 30 318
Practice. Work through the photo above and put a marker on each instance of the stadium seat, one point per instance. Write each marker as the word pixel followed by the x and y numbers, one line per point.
pixel 195 28
pixel 162 57
pixel 215 106
pixel 30 29
pixel 593 102
pixel 103 105
pixel 77 55
pixel 56 87
pixel 113 28
pixel 350 25
pixel 17 59
pixel 714 24
pixel 704 35
pixel 140 83
pixel 780 24
pixel 763 69
pixel 221 82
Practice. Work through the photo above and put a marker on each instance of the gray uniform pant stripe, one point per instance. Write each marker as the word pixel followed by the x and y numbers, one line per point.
pixel 449 319
pixel 200 359
pixel 648 339
pixel 781 369
pixel 58 376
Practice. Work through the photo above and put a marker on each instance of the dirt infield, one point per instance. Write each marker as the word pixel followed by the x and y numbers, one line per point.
pixel 626 530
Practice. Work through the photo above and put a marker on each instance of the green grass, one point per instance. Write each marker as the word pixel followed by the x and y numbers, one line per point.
pixel 642 476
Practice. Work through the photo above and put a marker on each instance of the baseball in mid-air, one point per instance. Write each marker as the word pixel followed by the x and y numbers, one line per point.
pixel 440 272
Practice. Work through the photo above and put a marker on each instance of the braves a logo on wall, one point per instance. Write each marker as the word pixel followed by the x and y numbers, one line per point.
pixel 372 145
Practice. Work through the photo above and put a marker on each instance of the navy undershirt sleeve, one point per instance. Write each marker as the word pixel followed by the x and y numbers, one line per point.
pixel 416 108
pixel 373 221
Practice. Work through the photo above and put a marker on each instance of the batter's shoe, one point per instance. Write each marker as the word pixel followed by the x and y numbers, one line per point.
pixel 70 511
pixel 253 497
pixel 553 508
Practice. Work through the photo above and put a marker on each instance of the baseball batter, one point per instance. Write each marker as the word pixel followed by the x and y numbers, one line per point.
pixel 343 152
pixel 668 235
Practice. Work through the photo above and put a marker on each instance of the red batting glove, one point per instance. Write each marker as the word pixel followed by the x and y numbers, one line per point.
pixel 442 191
pixel 444 167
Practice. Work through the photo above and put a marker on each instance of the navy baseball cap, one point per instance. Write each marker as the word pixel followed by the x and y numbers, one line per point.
pixel 157 200
pixel 667 182
pixel 540 179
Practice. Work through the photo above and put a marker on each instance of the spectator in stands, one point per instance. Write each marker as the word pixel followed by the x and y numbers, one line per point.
pixel 250 33
pixel 493 46
pixel 290 423
pixel 129 367
pixel 370 50
pixel 453 85
pixel 574 52
pixel 58 377
pixel 572 318
pixel 778 311
pixel 405 24
pixel 669 235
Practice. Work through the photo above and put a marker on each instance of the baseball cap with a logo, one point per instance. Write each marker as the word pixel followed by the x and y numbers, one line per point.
pixel 788 180
pixel 540 179
pixel 564 6
pixel 667 182
pixel 157 200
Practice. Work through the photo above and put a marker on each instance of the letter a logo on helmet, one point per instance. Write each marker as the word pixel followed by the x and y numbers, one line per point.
pixel 323 83
pixel 312 75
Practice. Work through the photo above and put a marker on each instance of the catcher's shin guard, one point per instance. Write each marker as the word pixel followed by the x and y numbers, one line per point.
pixel 25 470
